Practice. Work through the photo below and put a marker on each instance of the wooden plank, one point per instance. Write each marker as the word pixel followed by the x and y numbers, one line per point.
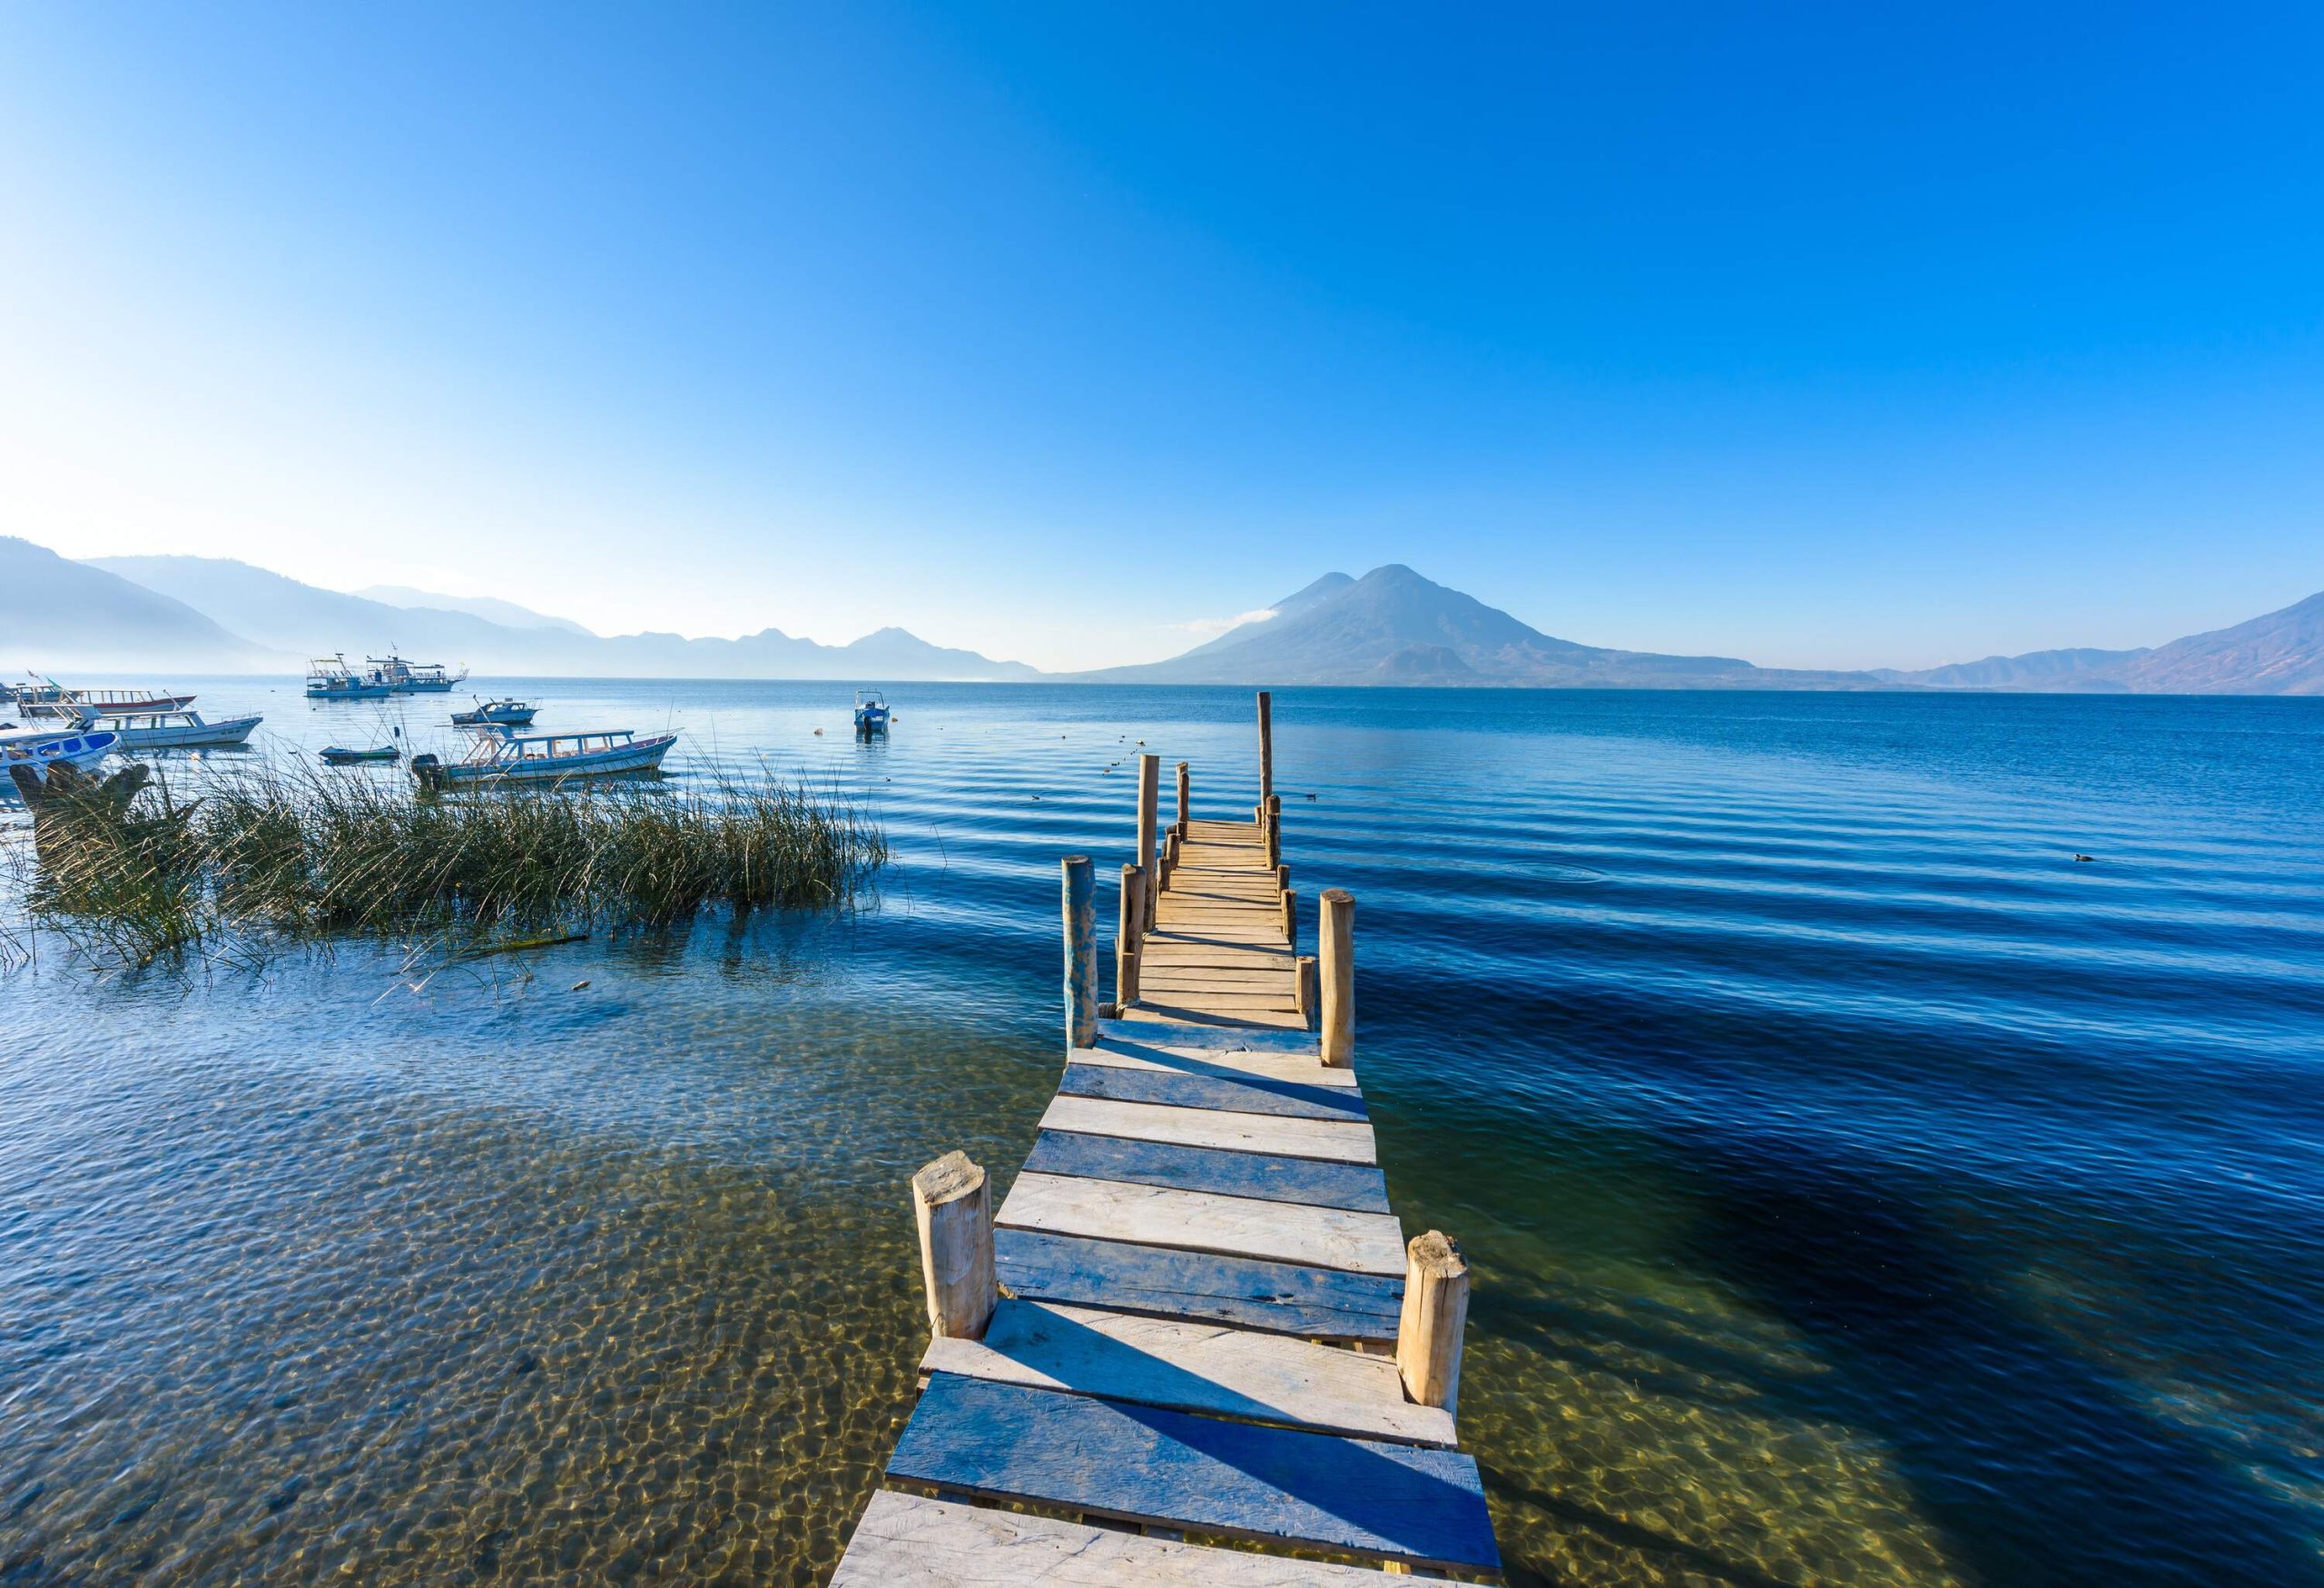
pixel 1192 1367
pixel 909 1541
pixel 1357 1188
pixel 1242 1227
pixel 1256 1041
pixel 1124 1054
pixel 1274 983
pixel 1292 1298
pixel 1245 1094
pixel 1186 1013
pixel 1366 1497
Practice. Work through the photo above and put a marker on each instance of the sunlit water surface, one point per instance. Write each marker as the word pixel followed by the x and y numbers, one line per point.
pixel 1860 1189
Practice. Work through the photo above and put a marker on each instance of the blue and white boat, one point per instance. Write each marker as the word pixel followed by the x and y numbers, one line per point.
pixel 37 752
pixel 330 678
pixel 497 713
pixel 871 712
pixel 504 758
pixel 173 730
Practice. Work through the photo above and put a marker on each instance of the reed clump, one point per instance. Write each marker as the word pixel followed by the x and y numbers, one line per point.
pixel 277 852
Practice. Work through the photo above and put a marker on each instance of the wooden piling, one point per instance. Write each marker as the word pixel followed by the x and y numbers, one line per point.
pixel 1304 995
pixel 1335 949
pixel 952 1206
pixel 1149 782
pixel 1273 819
pixel 1186 801
pixel 1435 1315
pixel 1266 747
pixel 1127 932
pixel 1080 952
pixel 1291 917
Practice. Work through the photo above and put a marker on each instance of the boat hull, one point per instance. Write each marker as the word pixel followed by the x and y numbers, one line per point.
pixel 36 754
pixel 644 755
pixel 207 736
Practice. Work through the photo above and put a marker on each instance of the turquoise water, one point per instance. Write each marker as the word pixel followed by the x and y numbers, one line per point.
pixel 1860 1189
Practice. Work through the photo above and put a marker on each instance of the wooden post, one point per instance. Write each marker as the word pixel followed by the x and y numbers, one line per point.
pixel 1282 875
pixel 1266 747
pixel 1336 947
pixel 1303 993
pixel 1291 917
pixel 1274 829
pixel 953 1207
pixel 1186 799
pixel 1080 953
pixel 1149 790
pixel 1127 935
pixel 1436 1312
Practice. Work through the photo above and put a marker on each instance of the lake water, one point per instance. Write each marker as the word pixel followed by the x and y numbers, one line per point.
pixel 1860 1189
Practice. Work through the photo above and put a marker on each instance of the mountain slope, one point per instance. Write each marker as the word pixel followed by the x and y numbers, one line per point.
pixel 1394 627
pixel 62 616
pixel 2079 668
pixel 491 608
pixel 2282 653
pixel 288 616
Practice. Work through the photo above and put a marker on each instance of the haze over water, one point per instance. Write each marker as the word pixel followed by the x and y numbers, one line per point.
pixel 1860 1189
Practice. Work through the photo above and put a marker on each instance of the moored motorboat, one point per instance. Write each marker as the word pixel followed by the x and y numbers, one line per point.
pixel 173 730
pixel 35 751
pixel 497 713
pixel 545 758
pixel 339 756
pixel 330 678
pixel 871 712
pixel 39 698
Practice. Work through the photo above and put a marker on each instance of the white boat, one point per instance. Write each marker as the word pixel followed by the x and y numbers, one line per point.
pixel 330 678
pixel 45 697
pixel 545 758
pixel 172 730
pixel 34 751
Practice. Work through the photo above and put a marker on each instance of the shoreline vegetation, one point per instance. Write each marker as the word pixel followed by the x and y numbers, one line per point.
pixel 128 873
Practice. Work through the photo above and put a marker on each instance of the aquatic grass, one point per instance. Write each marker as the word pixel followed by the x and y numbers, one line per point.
pixel 273 853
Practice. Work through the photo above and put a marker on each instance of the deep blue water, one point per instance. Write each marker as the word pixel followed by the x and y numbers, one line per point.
pixel 1861 1189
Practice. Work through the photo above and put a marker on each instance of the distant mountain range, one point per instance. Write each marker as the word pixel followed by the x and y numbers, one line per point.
pixel 1391 627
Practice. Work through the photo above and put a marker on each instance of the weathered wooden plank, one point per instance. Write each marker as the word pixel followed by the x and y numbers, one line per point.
pixel 1192 1367
pixel 1246 1094
pixel 910 1541
pixel 1244 1227
pixel 1358 1187
pixel 1292 1298
pixel 1256 1042
pixel 1125 1054
pixel 1283 1019
pixel 1367 1497
pixel 1270 984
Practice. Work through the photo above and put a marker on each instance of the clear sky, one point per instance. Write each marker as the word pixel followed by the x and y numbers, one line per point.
pixel 1822 336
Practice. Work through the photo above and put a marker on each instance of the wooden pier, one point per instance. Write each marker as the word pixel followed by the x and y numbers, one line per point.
pixel 1194 1338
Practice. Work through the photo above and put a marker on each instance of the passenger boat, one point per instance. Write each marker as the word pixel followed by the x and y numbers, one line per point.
pixel 45 697
pixel 545 758
pixel 871 712
pixel 339 757
pixel 36 750
pixel 172 730
pixel 497 713
pixel 330 678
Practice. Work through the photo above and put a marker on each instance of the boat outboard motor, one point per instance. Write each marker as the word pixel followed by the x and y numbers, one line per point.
pixel 428 767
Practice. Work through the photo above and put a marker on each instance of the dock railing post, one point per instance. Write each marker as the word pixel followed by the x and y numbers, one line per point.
pixel 1266 748
pixel 1080 953
pixel 952 1206
pixel 1126 933
pixel 1305 996
pixel 1150 791
pixel 1436 1316
pixel 1275 829
pixel 1185 800
pixel 1335 949
pixel 1290 918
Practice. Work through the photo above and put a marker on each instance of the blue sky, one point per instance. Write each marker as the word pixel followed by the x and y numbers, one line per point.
pixel 1822 336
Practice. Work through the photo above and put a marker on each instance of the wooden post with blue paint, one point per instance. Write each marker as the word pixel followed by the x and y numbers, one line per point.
pixel 1080 952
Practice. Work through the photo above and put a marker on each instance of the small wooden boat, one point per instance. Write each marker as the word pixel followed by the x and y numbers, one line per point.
pixel 545 758
pixel 37 750
pixel 871 712
pixel 45 697
pixel 174 730
pixel 339 757
pixel 497 713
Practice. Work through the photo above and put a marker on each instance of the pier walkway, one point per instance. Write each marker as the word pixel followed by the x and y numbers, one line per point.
pixel 1195 1337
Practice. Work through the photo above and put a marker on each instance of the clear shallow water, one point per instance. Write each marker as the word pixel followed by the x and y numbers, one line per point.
pixel 1860 1190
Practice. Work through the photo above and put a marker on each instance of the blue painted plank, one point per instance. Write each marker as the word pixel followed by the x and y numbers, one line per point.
pixel 1252 1094
pixel 1257 1039
pixel 1356 1188
pixel 1140 1464
pixel 1286 1298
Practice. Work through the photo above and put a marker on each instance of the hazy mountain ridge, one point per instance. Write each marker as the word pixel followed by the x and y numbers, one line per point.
pixel 59 616
pixel 297 620
pixel 491 608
